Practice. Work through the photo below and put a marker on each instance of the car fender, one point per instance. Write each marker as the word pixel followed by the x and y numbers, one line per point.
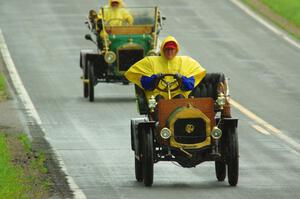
pixel 134 130
pixel 85 55
pixel 226 124
pixel 138 136
pixel 229 122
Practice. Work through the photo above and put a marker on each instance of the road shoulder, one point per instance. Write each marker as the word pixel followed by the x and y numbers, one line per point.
pixel 13 121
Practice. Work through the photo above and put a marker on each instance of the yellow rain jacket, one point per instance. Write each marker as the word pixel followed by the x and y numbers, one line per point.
pixel 116 16
pixel 148 66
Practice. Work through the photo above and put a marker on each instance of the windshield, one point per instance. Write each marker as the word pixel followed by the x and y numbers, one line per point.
pixel 128 16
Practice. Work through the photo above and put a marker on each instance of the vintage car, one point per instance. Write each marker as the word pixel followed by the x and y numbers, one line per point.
pixel 119 45
pixel 188 131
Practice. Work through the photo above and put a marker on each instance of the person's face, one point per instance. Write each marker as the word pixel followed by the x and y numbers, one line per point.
pixel 114 4
pixel 170 53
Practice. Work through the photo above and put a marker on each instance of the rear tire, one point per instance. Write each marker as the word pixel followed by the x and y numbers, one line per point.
pixel 148 157
pixel 233 157
pixel 85 85
pixel 91 82
pixel 220 170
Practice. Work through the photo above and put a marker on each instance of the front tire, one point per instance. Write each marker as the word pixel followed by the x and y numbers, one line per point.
pixel 220 170
pixel 85 84
pixel 148 163
pixel 233 157
pixel 138 170
pixel 91 82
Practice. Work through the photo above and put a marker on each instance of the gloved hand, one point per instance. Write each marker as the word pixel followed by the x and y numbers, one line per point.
pixel 159 75
pixel 178 76
pixel 149 83
pixel 187 83
pixel 158 78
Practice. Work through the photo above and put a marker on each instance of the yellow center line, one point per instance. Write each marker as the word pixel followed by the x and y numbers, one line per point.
pixel 260 129
pixel 265 124
pixel 254 117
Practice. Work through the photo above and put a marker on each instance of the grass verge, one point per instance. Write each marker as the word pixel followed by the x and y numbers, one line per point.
pixel 22 171
pixel 289 9
pixel 284 13
pixel 3 92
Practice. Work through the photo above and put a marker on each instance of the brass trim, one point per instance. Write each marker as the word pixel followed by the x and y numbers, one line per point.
pixel 189 128
pixel 105 37
pixel 130 46
pixel 190 112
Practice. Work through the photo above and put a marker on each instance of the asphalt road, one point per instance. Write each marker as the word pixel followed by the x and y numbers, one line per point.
pixel 93 140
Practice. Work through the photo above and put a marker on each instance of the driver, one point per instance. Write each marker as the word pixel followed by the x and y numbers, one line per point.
pixel 147 72
pixel 116 14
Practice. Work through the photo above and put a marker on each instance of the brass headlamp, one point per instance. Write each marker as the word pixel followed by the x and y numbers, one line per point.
pixel 110 57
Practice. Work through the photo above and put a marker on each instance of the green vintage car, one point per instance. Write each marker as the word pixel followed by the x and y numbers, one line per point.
pixel 119 44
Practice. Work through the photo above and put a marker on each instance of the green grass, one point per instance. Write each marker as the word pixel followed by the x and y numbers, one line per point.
pixel 25 175
pixel 26 142
pixel 39 162
pixel 11 177
pixel 289 9
pixel 3 92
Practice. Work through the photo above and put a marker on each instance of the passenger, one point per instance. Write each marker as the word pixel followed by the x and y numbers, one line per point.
pixel 115 14
pixel 146 72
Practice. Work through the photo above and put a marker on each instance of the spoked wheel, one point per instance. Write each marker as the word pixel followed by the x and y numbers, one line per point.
pixel 91 82
pixel 138 170
pixel 233 157
pixel 85 84
pixel 147 157
pixel 220 170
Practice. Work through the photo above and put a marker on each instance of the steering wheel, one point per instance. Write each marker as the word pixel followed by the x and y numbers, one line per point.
pixel 116 21
pixel 166 84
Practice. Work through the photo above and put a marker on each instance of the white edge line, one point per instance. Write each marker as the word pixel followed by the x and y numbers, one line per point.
pixel 78 193
pixel 17 82
pixel 31 111
pixel 274 29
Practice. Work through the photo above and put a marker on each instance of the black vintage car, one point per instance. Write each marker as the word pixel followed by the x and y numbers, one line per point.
pixel 187 131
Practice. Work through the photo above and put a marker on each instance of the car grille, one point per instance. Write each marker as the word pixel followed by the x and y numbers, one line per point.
pixel 127 57
pixel 184 135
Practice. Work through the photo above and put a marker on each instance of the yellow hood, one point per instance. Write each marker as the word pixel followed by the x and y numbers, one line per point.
pixel 121 3
pixel 159 64
pixel 115 15
pixel 167 39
